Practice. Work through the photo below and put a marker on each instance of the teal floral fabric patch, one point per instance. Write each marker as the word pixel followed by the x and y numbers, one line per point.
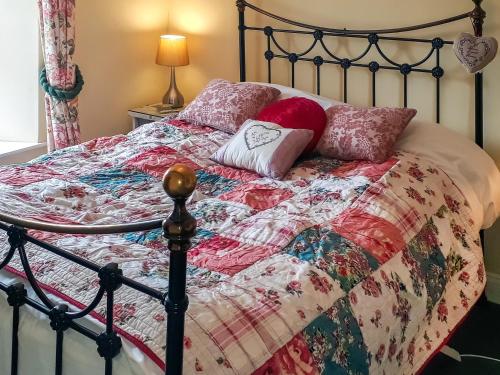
pixel 337 256
pixel 117 181
pixel 429 263
pixel 336 342
pixel 213 185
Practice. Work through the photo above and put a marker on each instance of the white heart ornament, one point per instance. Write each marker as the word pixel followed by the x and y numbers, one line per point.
pixel 259 135
pixel 475 53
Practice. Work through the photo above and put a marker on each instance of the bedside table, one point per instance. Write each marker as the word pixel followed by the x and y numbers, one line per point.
pixel 150 113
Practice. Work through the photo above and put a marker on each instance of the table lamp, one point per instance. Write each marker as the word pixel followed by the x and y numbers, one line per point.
pixel 172 51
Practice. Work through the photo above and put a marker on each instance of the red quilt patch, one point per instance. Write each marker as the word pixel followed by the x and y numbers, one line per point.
pixel 192 129
pixel 25 175
pixel 247 320
pixel 259 197
pixel 157 160
pixel 364 168
pixel 293 358
pixel 377 236
pixel 104 142
pixel 233 173
pixel 227 256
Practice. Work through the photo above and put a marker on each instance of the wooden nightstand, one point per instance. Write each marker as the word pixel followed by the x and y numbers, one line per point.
pixel 150 113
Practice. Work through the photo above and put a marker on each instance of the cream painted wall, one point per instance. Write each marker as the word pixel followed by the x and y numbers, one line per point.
pixel 213 42
pixel 116 49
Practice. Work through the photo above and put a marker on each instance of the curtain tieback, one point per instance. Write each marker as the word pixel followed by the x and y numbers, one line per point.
pixel 59 94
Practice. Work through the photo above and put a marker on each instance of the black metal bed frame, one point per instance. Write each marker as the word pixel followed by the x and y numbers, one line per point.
pixel 179 183
pixel 320 34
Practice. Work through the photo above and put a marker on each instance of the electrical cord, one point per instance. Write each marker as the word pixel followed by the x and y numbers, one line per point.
pixel 479 356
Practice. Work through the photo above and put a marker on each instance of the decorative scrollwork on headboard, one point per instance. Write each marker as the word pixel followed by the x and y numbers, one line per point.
pixel 373 37
pixel 241 4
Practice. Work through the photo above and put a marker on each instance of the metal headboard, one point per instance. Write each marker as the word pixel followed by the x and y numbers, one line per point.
pixel 319 34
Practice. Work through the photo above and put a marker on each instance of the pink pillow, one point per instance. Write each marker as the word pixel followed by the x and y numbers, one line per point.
pixel 264 147
pixel 363 133
pixel 226 106
pixel 297 113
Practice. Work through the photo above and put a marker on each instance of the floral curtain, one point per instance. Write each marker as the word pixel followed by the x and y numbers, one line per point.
pixel 57 26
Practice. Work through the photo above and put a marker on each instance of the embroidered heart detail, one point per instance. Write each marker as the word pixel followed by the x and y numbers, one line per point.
pixel 475 53
pixel 260 135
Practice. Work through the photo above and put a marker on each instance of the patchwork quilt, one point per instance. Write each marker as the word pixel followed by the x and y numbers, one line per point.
pixel 341 268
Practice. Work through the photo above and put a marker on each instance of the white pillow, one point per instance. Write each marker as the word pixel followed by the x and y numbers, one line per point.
pixel 288 92
pixel 470 167
pixel 264 147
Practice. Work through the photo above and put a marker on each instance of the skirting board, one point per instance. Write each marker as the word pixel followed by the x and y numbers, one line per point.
pixel 23 155
pixel 493 287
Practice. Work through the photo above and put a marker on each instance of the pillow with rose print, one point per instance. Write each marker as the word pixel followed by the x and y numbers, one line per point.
pixel 363 133
pixel 264 147
pixel 226 106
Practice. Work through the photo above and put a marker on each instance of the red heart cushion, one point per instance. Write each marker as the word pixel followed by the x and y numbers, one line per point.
pixel 297 113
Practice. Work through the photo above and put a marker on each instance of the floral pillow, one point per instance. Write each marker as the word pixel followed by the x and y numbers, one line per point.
pixel 226 106
pixel 363 133
pixel 264 147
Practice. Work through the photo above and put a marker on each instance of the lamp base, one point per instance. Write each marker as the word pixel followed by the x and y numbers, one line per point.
pixel 173 96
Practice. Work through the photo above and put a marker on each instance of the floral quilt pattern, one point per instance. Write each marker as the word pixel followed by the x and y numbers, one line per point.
pixel 341 268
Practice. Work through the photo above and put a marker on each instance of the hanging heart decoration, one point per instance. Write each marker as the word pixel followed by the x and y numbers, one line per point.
pixel 475 53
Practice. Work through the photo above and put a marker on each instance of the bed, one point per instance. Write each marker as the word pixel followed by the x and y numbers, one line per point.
pixel 340 268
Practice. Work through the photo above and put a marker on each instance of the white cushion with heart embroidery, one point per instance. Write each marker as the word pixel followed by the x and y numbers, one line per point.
pixel 258 135
pixel 264 147
pixel 475 53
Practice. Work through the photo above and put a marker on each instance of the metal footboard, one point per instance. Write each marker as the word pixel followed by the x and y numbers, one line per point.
pixel 179 183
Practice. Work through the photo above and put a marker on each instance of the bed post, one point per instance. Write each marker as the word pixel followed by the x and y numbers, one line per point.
pixel 478 15
pixel 179 183
pixel 241 27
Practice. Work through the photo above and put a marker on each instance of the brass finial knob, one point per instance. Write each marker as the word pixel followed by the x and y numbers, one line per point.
pixel 179 181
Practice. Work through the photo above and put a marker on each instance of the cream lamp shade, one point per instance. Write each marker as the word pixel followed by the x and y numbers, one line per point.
pixel 172 51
